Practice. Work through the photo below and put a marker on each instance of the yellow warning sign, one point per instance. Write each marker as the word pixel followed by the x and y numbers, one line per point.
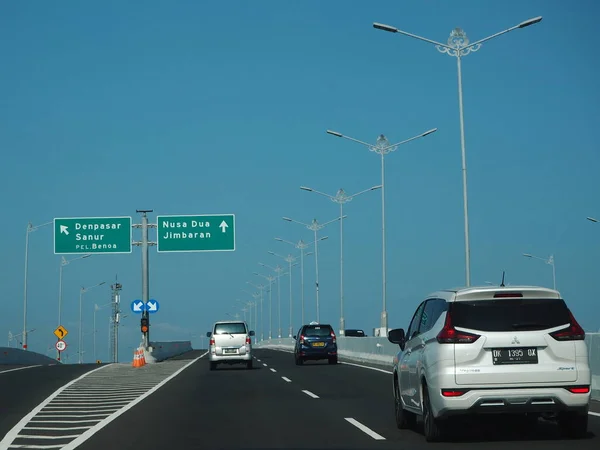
pixel 61 332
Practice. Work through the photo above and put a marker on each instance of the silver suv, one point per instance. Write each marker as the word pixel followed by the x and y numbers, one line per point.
pixel 230 343
pixel 514 349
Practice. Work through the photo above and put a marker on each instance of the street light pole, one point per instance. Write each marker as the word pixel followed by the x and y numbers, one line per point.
pixel 270 279
pixel 261 288
pixel 341 198
pixel 315 226
pixel 458 45
pixel 30 228
pixel 549 261
pixel 279 271
pixel 382 147
pixel 64 262
pixel 290 260
pixel 82 291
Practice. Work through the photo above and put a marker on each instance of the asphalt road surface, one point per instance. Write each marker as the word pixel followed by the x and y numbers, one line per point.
pixel 281 405
pixel 22 388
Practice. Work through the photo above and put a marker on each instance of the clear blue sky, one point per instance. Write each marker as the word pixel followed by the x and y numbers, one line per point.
pixel 190 107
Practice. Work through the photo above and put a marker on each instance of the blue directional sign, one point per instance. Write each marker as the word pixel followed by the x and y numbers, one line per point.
pixel 152 306
pixel 137 306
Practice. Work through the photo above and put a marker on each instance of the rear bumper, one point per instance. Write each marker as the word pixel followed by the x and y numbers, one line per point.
pixel 510 401
pixel 314 354
pixel 230 358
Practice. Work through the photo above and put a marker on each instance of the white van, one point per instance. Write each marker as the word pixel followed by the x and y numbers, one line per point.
pixel 230 343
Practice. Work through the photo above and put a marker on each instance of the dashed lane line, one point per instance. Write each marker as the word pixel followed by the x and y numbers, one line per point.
pixel 273 370
pixel 82 407
pixel 365 429
pixel 264 365
pixel 310 394
pixel 286 379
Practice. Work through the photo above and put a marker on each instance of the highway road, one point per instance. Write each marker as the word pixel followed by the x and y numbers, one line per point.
pixel 281 405
pixel 180 403
pixel 22 388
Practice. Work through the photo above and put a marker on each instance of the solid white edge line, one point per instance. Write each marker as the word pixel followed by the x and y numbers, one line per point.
pixel 89 433
pixel 365 429
pixel 310 394
pixel 367 367
pixel 594 413
pixel 20 368
pixel 7 440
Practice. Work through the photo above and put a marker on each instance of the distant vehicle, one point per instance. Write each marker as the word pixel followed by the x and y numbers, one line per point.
pixel 354 333
pixel 492 350
pixel 230 343
pixel 315 342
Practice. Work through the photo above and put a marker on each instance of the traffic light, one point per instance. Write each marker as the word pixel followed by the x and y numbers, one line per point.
pixel 144 325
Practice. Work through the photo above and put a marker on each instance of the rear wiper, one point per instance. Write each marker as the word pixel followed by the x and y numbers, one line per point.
pixel 518 326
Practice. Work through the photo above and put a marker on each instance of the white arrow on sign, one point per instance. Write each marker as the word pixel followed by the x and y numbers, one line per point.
pixel 137 307
pixel 64 229
pixel 223 226
pixel 152 306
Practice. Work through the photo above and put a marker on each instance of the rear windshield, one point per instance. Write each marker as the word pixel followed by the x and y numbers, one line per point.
pixel 354 333
pixel 515 314
pixel 230 328
pixel 317 330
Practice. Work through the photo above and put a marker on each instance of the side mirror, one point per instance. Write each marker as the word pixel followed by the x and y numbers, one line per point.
pixel 251 333
pixel 294 337
pixel 208 334
pixel 397 336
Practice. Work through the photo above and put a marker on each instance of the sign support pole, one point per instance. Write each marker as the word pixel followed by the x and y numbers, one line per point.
pixel 145 243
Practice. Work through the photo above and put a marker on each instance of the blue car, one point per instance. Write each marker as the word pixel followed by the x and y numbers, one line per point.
pixel 315 342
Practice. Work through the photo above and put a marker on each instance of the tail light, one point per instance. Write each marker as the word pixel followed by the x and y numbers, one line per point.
pixel 572 333
pixel 212 341
pixel 450 335
pixel 248 341
pixel 302 339
pixel 333 336
pixel 579 390
pixel 454 392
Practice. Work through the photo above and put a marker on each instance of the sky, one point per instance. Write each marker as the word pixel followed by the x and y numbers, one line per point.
pixel 189 107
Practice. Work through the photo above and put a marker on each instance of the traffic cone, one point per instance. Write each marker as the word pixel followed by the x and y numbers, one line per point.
pixel 142 358
pixel 136 358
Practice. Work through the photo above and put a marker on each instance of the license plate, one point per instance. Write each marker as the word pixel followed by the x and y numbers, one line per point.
pixel 525 355
pixel 318 344
pixel 229 350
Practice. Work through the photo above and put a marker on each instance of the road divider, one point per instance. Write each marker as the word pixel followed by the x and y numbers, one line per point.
pixel 159 351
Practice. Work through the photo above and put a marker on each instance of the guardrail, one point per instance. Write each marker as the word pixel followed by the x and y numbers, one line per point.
pixel 159 351
pixel 380 351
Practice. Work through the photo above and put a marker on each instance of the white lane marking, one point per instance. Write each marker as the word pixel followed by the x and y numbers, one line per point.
pixel 89 433
pixel 365 429
pixel 310 394
pixel 594 413
pixel 286 379
pixel 273 370
pixel 40 436
pixel 6 442
pixel 258 360
pixel 83 427
pixel 264 365
pixel 36 446
pixel 20 368
pixel 367 367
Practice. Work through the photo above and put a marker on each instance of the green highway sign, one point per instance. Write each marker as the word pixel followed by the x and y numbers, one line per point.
pixel 202 233
pixel 92 235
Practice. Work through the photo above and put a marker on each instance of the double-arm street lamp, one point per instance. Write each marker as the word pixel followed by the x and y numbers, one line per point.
pixel 341 198
pixel 549 261
pixel 458 45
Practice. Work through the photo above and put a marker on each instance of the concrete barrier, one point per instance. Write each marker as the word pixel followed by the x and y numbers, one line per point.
pixel 159 351
pixel 16 356
pixel 380 351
